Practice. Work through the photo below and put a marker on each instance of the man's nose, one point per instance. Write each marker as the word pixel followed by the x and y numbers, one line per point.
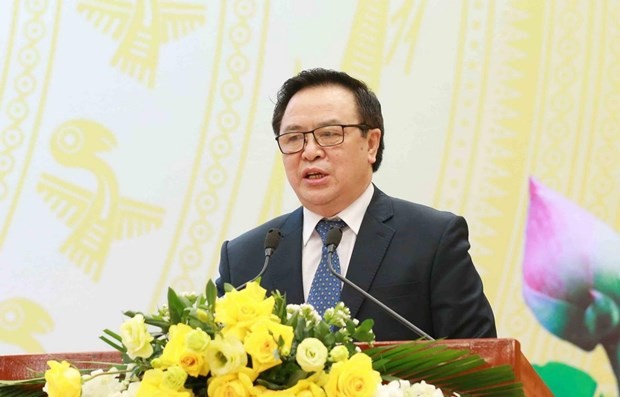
pixel 311 148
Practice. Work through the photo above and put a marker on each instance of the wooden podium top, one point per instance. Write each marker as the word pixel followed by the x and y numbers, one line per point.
pixel 24 366
pixel 506 351
pixel 500 352
pixel 494 351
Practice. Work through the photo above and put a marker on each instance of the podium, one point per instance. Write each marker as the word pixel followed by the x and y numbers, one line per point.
pixel 493 351
pixel 506 351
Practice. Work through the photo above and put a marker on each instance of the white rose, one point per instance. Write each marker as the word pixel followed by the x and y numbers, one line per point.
pixel 339 353
pixel 226 355
pixel 392 389
pixel 100 384
pixel 311 355
pixel 423 389
pixel 136 337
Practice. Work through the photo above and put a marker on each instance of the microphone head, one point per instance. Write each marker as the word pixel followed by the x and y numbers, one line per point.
pixel 334 235
pixel 272 239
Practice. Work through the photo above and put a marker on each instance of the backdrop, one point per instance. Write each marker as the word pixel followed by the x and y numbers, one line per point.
pixel 135 137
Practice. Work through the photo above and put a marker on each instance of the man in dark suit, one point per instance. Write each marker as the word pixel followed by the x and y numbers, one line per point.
pixel 413 258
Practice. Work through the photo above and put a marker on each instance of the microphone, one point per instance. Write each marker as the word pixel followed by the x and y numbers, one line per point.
pixel 272 240
pixel 334 235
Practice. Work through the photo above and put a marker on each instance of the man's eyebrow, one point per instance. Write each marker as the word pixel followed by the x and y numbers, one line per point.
pixel 299 128
pixel 292 127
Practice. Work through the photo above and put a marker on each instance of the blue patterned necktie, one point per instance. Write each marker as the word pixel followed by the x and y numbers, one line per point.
pixel 325 290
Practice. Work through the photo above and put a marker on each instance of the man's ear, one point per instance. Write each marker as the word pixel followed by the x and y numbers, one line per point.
pixel 374 139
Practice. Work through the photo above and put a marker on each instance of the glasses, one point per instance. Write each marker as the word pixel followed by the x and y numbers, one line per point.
pixel 330 135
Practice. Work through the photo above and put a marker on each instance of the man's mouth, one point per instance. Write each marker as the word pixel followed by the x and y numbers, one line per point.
pixel 315 175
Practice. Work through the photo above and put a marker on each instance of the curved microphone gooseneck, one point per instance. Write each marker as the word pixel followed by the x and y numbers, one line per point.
pixel 272 240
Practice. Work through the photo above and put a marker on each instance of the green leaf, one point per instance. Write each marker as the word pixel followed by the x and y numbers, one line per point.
pixel 22 390
pixel 113 334
pixel 176 306
pixel 363 332
pixel 456 370
pixel 228 287
pixel 300 327
pixel 211 294
pixel 280 306
pixel 113 344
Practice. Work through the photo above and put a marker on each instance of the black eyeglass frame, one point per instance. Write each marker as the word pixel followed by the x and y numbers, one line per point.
pixel 363 127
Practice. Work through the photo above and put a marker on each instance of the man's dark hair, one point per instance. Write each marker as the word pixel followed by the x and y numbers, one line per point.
pixel 368 106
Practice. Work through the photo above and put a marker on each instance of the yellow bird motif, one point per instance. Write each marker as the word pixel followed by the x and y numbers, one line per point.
pixel 97 218
pixel 20 319
pixel 142 26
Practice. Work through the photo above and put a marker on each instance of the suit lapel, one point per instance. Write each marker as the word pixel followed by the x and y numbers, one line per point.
pixel 369 250
pixel 284 273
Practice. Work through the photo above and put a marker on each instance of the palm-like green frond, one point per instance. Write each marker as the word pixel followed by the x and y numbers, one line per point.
pixel 22 388
pixel 453 370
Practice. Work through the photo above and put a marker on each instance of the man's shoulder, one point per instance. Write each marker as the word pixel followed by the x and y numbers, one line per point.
pixel 402 207
pixel 258 233
pixel 422 209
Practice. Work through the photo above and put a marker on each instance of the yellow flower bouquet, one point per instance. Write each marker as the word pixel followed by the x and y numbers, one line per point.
pixel 249 343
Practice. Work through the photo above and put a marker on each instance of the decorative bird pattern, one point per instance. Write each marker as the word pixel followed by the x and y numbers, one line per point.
pixel 142 26
pixel 99 217
pixel 20 320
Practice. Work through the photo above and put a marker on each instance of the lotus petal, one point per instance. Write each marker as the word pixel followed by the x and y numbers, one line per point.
pixel 571 269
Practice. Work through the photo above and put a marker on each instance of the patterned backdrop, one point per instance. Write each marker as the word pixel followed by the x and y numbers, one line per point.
pixel 135 137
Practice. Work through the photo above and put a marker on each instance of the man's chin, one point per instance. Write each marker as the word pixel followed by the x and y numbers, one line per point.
pixel 321 205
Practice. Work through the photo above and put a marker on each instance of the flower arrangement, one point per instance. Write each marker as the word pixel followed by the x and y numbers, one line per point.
pixel 247 343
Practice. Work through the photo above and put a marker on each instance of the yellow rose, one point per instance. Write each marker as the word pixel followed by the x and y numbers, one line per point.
pixel 278 331
pixel 174 378
pixel 353 378
pixel 194 363
pixel 307 388
pixel 311 355
pixel 136 337
pixel 261 343
pixel 197 340
pixel 263 349
pixel 238 310
pixel 303 388
pixel 338 353
pixel 156 382
pixel 186 348
pixel 239 384
pixel 174 347
pixel 226 355
pixel 62 380
pixel 202 315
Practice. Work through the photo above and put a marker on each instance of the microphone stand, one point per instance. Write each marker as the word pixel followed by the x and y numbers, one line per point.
pixel 272 240
pixel 262 271
pixel 333 243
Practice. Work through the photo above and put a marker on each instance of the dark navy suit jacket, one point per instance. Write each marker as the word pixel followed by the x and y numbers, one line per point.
pixel 411 257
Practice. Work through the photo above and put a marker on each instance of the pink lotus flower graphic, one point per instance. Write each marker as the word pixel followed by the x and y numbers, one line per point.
pixel 571 273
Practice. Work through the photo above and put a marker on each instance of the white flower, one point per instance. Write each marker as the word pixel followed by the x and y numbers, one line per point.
pixel 311 355
pixel 403 388
pixel 226 355
pixel 101 384
pixel 189 294
pixel 136 337
pixel 338 353
pixel 132 391
pixel 164 312
pixel 392 389
pixel 305 311
pixel 337 315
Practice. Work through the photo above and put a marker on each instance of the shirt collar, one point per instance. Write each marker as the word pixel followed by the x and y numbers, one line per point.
pixel 352 215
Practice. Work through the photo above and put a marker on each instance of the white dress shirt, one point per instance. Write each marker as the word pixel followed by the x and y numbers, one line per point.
pixel 313 245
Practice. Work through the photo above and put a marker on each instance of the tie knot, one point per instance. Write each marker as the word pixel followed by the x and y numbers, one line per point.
pixel 324 225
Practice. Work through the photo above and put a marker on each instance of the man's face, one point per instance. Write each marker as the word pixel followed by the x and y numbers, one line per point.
pixel 327 179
